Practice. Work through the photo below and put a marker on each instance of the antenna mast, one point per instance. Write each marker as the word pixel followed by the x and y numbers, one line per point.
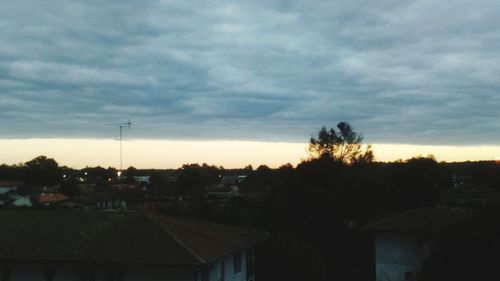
pixel 121 126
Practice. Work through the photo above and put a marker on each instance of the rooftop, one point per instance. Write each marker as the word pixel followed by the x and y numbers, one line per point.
pixel 421 221
pixel 117 237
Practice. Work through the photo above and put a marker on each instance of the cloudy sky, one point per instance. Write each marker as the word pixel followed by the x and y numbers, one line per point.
pixel 401 72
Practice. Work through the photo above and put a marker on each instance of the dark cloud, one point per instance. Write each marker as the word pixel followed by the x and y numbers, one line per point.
pixel 400 71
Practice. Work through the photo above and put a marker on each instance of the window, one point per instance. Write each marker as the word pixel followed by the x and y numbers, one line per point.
pixel 86 275
pixel 115 276
pixel 237 262
pixel 49 274
pixel 202 275
pixel 250 264
pixel 222 271
pixel 5 274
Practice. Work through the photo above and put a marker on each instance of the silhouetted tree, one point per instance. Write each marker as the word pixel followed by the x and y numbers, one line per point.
pixel 194 176
pixel 11 172
pixel 42 171
pixel 343 145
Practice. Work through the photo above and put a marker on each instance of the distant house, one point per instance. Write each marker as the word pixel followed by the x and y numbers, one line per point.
pixel 21 202
pixel 97 201
pixel 221 194
pixel 233 179
pixel 9 186
pixel 142 180
pixel 49 199
pixel 68 245
pixel 470 196
pixel 86 188
pixel 405 240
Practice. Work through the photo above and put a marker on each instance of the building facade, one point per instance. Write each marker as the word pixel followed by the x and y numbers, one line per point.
pixel 61 245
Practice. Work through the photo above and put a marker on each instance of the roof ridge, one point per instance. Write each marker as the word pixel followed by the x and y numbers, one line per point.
pixel 173 236
pixel 391 217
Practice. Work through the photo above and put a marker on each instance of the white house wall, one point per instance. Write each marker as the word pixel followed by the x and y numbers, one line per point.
pixel 68 273
pixel 21 272
pixel 229 274
pixel 398 255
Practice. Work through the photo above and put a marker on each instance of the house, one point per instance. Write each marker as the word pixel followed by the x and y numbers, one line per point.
pixel 100 201
pixel 403 241
pixel 233 179
pixel 49 199
pixel 470 196
pixel 11 184
pixel 221 194
pixel 84 188
pixel 142 180
pixel 68 245
pixel 21 201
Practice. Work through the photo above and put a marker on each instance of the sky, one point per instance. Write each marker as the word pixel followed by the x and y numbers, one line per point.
pixel 257 76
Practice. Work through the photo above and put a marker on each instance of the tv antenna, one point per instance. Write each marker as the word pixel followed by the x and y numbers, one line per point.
pixel 121 126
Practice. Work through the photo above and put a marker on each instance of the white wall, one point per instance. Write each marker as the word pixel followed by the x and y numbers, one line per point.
pixel 33 272
pixel 68 273
pixel 230 274
pixel 397 254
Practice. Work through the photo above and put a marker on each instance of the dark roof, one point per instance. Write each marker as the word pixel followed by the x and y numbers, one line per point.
pixel 11 183
pixel 117 237
pixel 420 221
pixel 468 191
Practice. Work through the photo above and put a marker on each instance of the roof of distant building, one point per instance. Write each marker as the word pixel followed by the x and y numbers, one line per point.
pixel 118 237
pixel 11 184
pixel 420 221
pixel 468 191
pixel 51 197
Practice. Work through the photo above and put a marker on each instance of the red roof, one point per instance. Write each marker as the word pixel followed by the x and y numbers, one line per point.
pixel 51 197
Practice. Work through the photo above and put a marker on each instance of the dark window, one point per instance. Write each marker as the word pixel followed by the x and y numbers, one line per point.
pixel 49 274
pixel 222 271
pixel 204 275
pixel 5 274
pixel 115 276
pixel 237 262
pixel 250 264
pixel 86 275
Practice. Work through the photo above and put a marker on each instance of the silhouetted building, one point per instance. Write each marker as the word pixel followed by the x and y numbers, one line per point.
pixel 470 196
pixel 67 245
pixel 405 240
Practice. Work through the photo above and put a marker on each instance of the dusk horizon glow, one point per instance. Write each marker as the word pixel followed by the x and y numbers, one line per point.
pixel 172 154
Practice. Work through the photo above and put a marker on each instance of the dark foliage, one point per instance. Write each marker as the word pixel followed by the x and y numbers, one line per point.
pixel 467 253
pixel 192 176
pixel 42 171
pixel 342 145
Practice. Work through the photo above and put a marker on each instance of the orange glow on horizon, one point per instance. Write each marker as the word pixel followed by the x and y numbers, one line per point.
pixel 79 153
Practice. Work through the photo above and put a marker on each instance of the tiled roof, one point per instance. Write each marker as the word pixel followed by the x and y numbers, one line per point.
pixel 11 183
pixel 51 197
pixel 117 237
pixel 420 221
pixel 208 241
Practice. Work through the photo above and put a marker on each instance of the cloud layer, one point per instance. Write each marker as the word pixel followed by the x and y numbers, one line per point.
pixel 418 72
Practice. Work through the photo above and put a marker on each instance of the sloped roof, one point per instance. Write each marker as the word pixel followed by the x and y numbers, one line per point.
pixel 117 237
pixel 11 183
pixel 51 197
pixel 468 191
pixel 420 221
